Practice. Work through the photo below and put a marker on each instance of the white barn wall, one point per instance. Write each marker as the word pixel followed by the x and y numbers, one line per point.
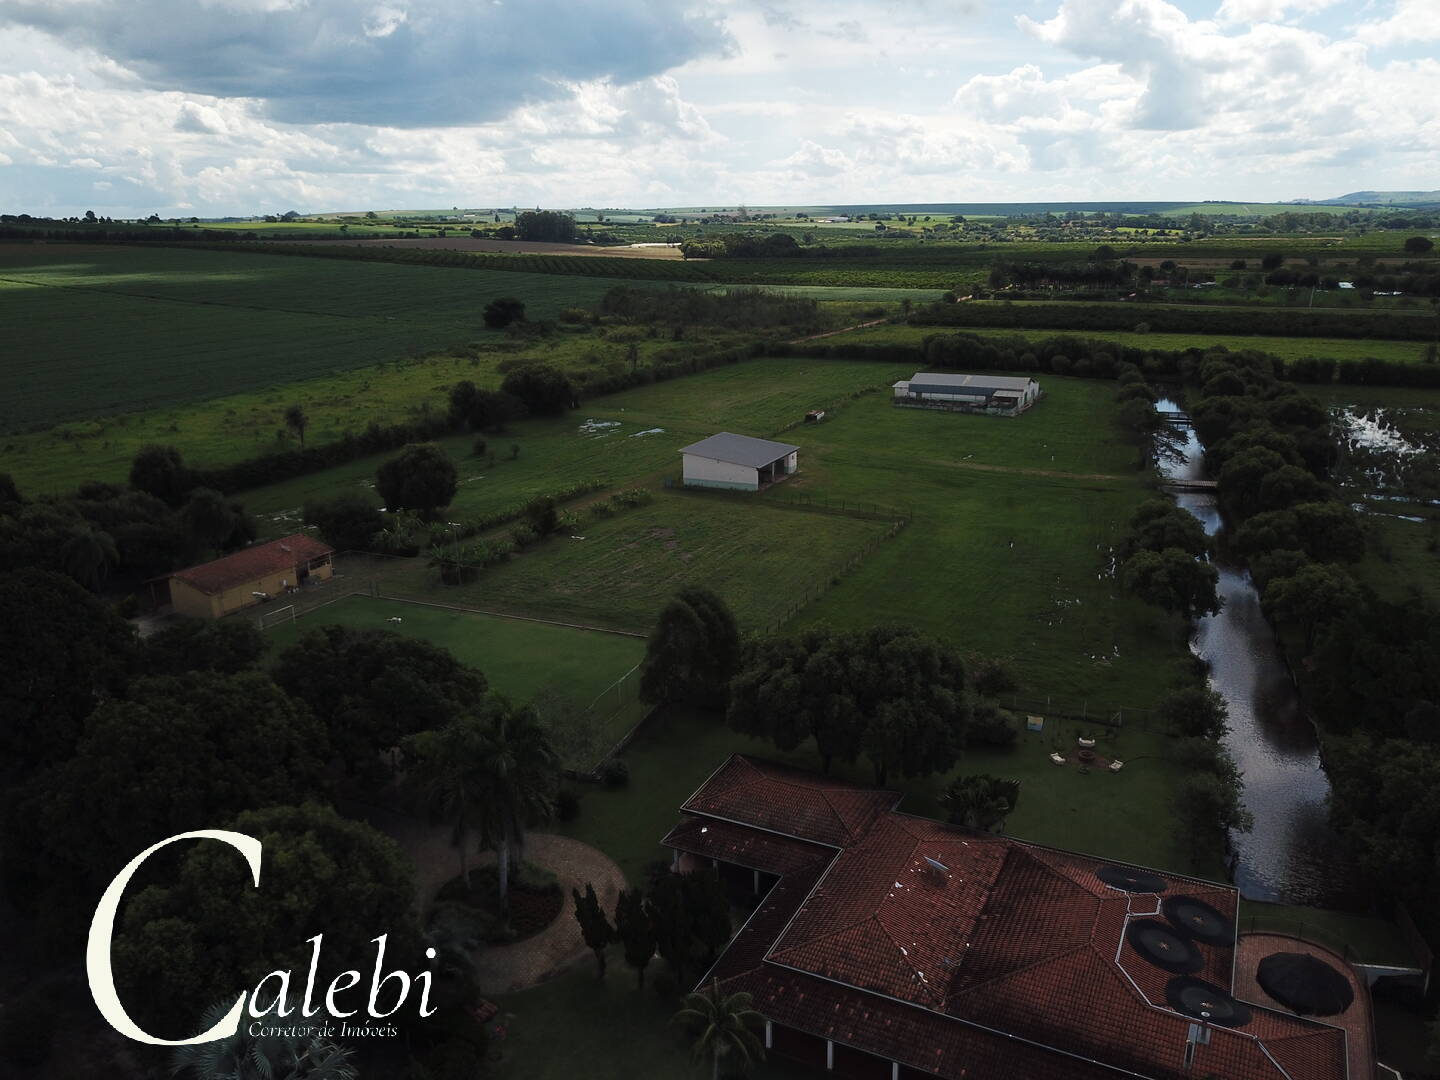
pixel 707 472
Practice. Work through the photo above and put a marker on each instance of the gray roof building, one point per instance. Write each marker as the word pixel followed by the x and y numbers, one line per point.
pixel 739 449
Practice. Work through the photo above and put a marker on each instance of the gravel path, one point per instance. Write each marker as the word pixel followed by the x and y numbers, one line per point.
pixel 507 968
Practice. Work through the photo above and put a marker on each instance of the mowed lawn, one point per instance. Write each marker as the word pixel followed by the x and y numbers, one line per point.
pixel 1008 552
pixel 521 659
pixel 99 331
pixel 619 572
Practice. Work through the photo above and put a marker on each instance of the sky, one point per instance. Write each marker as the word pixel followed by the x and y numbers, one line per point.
pixel 238 107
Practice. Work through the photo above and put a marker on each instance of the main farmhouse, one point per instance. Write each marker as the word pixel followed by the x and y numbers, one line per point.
pixel 891 947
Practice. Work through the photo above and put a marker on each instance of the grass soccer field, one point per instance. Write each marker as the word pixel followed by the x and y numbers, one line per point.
pixel 523 660
pixel 99 331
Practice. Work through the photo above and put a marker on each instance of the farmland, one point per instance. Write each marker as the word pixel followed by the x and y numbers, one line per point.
pixel 1033 503
pixel 116 330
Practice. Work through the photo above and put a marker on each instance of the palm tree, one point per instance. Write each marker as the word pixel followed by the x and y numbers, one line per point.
pixel 723 1028
pixel 87 555
pixel 243 1056
pixel 490 776
pixel 521 775
pixel 981 802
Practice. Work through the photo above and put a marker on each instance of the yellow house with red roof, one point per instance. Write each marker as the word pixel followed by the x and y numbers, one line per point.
pixel 250 576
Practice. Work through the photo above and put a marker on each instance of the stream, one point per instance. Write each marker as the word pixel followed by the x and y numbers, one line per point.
pixel 1291 855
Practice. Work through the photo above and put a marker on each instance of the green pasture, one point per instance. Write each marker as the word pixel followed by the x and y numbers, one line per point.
pixel 1007 553
pixel 619 572
pixel 523 660
pixel 116 330
pixel 610 440
pixel 553 456
pixel 1286 347
pixel 1009 548
pixel 1402 558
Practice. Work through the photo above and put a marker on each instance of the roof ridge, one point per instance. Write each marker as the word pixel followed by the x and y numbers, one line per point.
pixel 776 953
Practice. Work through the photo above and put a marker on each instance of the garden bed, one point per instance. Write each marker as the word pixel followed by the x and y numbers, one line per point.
pixel 536 901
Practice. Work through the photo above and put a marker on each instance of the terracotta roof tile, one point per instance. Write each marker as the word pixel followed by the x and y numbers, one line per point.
pixel 743 846
pixel 253 563
pixel 790 801
pixel 1011 963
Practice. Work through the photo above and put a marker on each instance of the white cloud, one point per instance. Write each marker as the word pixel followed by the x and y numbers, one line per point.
pixel 1411 22
pixel 1235 11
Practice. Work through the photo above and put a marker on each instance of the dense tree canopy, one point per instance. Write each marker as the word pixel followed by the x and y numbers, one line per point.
pixel 371 689
pixel 65 653
pixel 347 522
pixel 208 933
pixel 227 647
pixel 1173 580
pixel 544 390
pixel 693 652
pixel 422 478
pixel 891 693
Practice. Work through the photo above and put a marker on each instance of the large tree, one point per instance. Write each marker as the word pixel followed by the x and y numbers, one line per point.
pixel 179 753
pixel 346 522
pixel 1158 524
pixel 160 471
pixel 545 390
pixel 482 410
pixel 1314 597
pixel 1173 580
pixel 371 688
pixel 421 478
pixel 491 775
pixel 890 692
pixel 693 652
pixel 65 653
pixel 207 933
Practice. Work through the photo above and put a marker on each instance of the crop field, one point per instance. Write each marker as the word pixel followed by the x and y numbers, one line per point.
pixel 522 660
pixel 115 330
pixel 1286 347
pixel 619 572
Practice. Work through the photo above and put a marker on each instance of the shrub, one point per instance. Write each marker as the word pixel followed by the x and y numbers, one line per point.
pixel 479 447
pixel 614 773
pixel 503 311
pixel 990 726
pixel 523 536
pixel 567 805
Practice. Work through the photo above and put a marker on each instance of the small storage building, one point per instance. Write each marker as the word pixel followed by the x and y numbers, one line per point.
pixel 737 462
pixel 248 577
pixel 1005 395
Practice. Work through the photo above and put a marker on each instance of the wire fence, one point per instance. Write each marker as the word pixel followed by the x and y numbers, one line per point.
pixel 864 509
pixel 1088 712
pixel 814 592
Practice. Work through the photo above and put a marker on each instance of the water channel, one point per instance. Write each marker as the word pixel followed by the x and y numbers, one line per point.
pixel 1291 855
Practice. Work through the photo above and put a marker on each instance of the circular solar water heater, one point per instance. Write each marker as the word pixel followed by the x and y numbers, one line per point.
pixel 1164 946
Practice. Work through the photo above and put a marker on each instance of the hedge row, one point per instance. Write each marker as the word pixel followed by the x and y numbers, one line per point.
pixel 1273 322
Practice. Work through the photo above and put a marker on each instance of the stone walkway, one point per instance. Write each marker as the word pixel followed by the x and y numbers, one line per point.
pixel 507 968
pixel 1355 1020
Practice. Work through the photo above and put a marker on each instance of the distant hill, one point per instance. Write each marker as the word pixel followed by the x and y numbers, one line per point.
pixel 1385 198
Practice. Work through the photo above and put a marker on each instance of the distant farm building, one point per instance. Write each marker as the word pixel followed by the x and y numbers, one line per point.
pixel 737 462
pixel 1002 395
pixel 248 577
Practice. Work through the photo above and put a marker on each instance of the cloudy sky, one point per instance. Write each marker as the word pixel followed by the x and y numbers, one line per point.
pixel 215 107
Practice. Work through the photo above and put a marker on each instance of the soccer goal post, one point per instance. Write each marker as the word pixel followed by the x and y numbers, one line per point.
pixel 276 617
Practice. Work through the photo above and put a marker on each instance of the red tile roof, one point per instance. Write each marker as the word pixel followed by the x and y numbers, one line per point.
pixel 1011 961
pixel 789 801
pixel 740 845
pixel 253 563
